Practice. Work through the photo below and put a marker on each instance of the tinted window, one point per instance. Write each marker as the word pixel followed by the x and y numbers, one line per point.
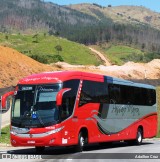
pixel 94 92
pixel 121 94
pixel 114 93
pixel 97 92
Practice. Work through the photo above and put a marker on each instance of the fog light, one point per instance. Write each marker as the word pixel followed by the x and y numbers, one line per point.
pixel 51 141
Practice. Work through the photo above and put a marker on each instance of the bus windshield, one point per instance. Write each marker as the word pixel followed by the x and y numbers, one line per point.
pixel 35 106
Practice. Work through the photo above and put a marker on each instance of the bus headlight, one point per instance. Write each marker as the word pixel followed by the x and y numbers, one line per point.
pixel 16 130
pixel 55 130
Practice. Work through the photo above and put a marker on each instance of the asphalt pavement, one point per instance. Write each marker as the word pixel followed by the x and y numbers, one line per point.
pixel 116 152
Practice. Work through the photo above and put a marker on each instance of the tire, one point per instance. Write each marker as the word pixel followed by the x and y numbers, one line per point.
pixel 40 149
pixel 138 140
pixel 139 137
pixel 81 142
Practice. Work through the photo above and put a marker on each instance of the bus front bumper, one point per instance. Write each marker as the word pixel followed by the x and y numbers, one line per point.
pixel 36 140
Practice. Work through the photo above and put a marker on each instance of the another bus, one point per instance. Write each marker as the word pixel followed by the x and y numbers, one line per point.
pixel 72 108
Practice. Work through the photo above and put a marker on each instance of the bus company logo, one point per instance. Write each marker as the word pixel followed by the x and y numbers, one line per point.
pixel 124 109
pixel 41 89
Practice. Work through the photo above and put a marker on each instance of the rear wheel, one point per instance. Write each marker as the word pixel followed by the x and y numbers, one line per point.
pixel 40 149
pixel 139 137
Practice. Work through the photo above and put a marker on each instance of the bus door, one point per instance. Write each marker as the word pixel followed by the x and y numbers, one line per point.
pixel 68 120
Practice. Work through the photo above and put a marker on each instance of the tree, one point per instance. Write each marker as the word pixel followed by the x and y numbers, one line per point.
pixel 58 48
pixel 6 37
pixel 36 38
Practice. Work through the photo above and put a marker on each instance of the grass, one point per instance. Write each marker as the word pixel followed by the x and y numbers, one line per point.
pixel 119 54
pixel 44 45
pixel 5 135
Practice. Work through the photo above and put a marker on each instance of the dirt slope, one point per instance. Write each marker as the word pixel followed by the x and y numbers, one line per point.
pixel 14 66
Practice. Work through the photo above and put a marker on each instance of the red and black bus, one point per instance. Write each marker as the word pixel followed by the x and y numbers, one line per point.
pixel 78 108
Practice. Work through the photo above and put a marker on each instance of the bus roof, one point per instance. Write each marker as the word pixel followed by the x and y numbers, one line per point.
pixel 126 82
pixel 60 76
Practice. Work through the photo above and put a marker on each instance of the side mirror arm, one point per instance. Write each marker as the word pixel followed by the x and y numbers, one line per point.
pixel 60 96
pixel 4 99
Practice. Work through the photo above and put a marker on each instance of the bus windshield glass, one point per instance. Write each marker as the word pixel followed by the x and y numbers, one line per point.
pixel 35 106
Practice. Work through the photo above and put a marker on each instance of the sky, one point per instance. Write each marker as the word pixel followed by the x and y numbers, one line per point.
pixel 151 4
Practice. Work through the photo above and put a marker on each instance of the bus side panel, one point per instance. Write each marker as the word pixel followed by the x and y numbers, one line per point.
pixel 150 126
pixel 85 120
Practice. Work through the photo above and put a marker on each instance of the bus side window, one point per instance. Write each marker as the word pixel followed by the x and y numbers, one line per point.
pixel 151 97
pixel 93 92
pixel 114 93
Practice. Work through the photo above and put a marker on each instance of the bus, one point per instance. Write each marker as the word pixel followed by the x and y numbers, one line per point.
pixel 72 108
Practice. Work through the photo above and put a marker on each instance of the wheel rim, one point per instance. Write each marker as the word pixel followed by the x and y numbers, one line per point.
pixel 81 141
pixel 139 137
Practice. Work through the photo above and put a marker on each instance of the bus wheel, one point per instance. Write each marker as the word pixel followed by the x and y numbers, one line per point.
pixel 40 149
pixel 81 141
pixel 139 137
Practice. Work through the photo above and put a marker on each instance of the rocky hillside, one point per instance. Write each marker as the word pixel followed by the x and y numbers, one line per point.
pixel 83 23
pixel 122 14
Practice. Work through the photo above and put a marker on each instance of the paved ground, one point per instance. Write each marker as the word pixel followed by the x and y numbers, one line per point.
pixel 148 151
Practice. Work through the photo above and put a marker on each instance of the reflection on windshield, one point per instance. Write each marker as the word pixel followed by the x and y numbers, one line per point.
pixel 35 106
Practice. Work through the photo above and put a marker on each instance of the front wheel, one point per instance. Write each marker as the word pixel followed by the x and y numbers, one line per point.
pixel 81 141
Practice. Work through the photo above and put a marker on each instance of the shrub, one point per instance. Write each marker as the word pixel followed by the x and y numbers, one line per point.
pixel 46 59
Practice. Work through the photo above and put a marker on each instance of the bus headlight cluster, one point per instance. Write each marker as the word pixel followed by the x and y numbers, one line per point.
pixel 55 130
pixel 16 130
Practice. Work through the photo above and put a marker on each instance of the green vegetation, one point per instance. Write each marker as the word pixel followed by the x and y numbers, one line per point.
pixel 5 135
pixel 49 49
pixel 120 54
pixel 87 24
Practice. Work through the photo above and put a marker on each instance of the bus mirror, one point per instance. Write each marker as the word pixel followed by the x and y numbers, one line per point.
pixel 60 96
pixel 6 100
